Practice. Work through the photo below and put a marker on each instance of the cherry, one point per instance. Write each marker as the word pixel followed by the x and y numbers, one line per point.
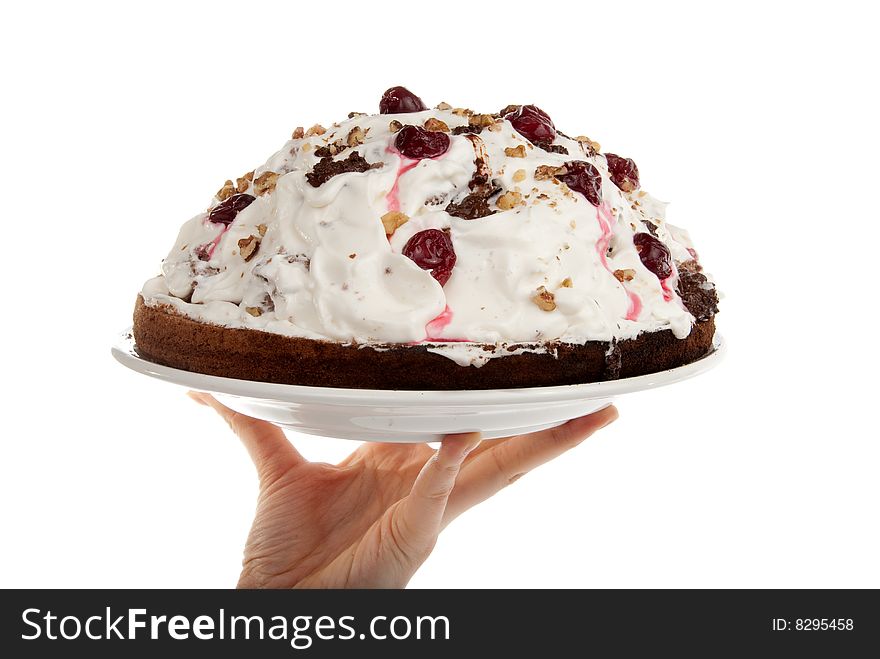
pixel 415 142
pixel 654 254
pixel 398 100
pixel 532 123
pixel 226 210
pixel 584 178
pixel 432 250
pixel 624 172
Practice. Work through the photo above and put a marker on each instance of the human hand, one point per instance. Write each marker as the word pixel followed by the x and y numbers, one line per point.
pixel 373 519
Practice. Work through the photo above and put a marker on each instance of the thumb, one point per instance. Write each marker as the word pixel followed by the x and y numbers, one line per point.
pixel 416 520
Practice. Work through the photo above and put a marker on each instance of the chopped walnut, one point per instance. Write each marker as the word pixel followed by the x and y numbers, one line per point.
pixel 248 247
pixel 481 120
pixel 625 275
pixel 444 106
pixel 436 126
pixel 317 129
pixel 394 125
pixel 462 112
pixel 256 312
pixel 588 145
pixel 393 220
pixel 548 172
pixel 265 182
pixel 496 127
pixel 515 151
pixel 355 136
pixel 509 200
pixel 226 191
pixel 519 176
pixel 544 299
pixel 509 109
pixel 242 184
pixel 298 133
pixel 567 283
pixel 261 229
pixel 352 115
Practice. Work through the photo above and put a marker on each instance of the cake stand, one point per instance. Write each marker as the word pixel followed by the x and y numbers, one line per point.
pixel 410 416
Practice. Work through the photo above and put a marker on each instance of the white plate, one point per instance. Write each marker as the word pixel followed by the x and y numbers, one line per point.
pixel 410 416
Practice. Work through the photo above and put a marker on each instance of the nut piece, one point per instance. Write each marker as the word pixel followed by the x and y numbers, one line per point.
pixel 481 120
pixel 548 172
pixel 241 184
pixel 265 182
pixel 515 151
pixel 261 228
pixel 567 283
pixel 444 106
pixel 625 275
pixel 226 191
pixel 519 176
pixel 394 125
pixel 256 312
pixel 317 129
pixel 392 220
pixel 436 126
pixel 355 136
pixel 462 112
pixel 509 200
pixel 298 133
pixel 544 299
pixel 247 247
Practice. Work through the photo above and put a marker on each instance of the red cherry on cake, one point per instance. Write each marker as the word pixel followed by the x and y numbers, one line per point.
pixel 432 250
pixel 623 171
pixel 654 254
pixel 415 142
pixel 533 123
pixel 398 100
pixel 584 178
pixel 226 210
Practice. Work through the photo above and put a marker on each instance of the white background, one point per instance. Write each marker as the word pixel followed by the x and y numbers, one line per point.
pixel 759 123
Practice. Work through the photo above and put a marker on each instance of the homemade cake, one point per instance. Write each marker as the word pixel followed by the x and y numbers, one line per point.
pixel 430 249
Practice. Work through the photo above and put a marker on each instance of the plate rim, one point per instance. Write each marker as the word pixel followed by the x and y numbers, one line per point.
pixel 123 350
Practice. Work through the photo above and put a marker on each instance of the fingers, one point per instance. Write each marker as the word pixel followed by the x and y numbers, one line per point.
pixel 503 462
pixel 418 518
pixel 265 442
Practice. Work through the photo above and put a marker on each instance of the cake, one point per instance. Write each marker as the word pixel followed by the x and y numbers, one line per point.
pixel 429 249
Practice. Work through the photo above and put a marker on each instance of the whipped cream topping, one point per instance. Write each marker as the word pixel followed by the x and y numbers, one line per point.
pixel 324 267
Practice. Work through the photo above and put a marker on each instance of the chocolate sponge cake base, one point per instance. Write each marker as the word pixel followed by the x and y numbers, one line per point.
pixel 166 337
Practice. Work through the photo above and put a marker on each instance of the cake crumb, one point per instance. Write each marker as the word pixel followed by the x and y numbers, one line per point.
pixel 544 299
pixel 393 220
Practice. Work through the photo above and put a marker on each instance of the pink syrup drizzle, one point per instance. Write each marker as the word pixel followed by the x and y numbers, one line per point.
pixel 392 199
pixel 603 215
pixel 208 248
pixel 667 292
pixel 434 329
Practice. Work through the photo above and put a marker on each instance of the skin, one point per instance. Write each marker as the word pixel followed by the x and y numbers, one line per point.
pixel 373 519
